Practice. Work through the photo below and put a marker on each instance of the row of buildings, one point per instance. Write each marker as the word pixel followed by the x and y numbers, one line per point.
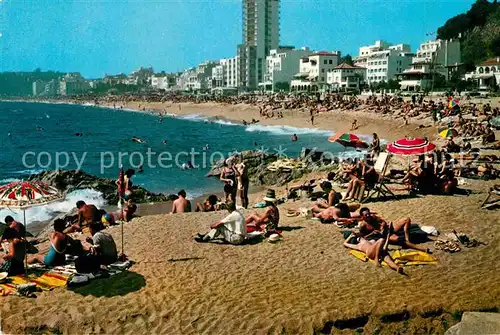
pixel 261 64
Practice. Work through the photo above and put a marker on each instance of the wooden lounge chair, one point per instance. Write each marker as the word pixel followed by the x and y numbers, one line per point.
pixel 495 193
pixel 380 189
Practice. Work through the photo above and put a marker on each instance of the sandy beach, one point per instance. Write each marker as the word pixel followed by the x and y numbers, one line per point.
pixel 306 283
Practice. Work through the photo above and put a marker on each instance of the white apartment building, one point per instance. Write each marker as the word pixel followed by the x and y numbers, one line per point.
pixel 487 74
pixel 440 57
pixel 313 70
pixel 196 79
pixel 260 35
pixel 140 77
pixel 346 76
pixel 282 65
pixel 383 61
pixel 73 83
pixel 162 81
pixel 225 74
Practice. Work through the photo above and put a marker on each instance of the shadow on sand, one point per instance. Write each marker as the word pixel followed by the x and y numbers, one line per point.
pixel 117 285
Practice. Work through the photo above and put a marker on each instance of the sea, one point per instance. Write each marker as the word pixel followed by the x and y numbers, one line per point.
pixel 41 136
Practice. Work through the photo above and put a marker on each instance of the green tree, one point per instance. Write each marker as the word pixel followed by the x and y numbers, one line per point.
pixel 346 59
pixel 282 86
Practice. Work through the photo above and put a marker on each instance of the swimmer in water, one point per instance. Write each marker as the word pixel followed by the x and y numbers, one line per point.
pixel 164 142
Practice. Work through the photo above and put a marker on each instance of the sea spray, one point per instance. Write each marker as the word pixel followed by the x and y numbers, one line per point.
pixel 47 212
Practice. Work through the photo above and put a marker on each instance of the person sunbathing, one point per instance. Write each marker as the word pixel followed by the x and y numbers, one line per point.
pixel 86 215
pixel 333 198
pixel 13 261
pixel 373 226
pixel 374 250
pixel 58 243
pixel 415 172
pixel 270 220
pixel 209 205
pixel 339 213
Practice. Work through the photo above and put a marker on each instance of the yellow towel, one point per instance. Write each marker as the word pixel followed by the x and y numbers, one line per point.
pixel 413 257
pixel 401 257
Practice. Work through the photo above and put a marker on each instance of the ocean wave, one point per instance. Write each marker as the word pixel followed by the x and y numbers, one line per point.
pixel 47 212
pixel 287 130
pixel 226 123
pixel 193 117
pixel 8 180
pixel 29 171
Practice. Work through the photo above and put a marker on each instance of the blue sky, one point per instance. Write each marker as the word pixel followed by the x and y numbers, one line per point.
pixel 96 37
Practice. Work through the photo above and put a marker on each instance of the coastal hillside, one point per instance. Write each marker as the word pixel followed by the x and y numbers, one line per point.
pixel 478 29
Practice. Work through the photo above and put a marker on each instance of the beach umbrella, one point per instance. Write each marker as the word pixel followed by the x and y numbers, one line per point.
pixel 348 140
pixel 448 132
pixel 453 103
pixel 26 194
pixel 411 146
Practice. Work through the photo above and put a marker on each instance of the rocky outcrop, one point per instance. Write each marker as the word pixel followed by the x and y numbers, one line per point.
pixel 67 181
pixel 265 168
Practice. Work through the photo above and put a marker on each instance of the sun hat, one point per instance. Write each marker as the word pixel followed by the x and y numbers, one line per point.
pixel 270 196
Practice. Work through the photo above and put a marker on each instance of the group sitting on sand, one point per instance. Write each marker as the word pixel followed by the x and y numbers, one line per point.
pixel 234 228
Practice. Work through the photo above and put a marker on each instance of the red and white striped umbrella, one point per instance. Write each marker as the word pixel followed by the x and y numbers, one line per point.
pixel 24 194
pixel 411 146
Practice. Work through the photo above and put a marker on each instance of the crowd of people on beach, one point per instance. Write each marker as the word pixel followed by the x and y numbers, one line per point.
pixel 428 174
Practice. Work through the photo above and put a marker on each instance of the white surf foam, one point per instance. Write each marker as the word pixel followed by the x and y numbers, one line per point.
pixel 47 212
pixel 8 180
pixel 225 123
pixel 287 130
pixel 29 171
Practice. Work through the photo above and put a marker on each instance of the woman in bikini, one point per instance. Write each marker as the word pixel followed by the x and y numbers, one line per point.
pixel 374 250
pixel 270 220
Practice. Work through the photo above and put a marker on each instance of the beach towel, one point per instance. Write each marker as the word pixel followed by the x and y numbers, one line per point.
pixel 401 257
pixel 45 281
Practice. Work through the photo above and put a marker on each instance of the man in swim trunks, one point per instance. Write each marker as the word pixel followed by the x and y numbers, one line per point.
pixel 374 225
pixel 374 250
pixel 58 243
pixel 341 213
pixel 86 215
pixel 181 205
pixel 333 198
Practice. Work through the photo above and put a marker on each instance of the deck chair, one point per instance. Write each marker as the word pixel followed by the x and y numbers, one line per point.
pixel 495 193
pixel 380 190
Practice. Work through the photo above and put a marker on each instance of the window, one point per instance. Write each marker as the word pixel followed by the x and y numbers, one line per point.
pixel 322 78
pixel 325 62
pixel 330 61
pixel 322 70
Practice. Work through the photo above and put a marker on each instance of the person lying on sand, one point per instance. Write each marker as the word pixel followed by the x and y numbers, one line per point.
pixel 181 205
pixel 270 220
pixel 58 243
pixel 340 213
pixel 86 215
pixel 374 250
pixel 333 198
pixel 373 225
pixel 232 228
pixel 209 205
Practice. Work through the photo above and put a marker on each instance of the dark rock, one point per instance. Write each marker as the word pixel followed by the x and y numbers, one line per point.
pixel 68 181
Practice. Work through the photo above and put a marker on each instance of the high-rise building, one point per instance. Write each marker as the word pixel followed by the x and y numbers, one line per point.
pixel 260 35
